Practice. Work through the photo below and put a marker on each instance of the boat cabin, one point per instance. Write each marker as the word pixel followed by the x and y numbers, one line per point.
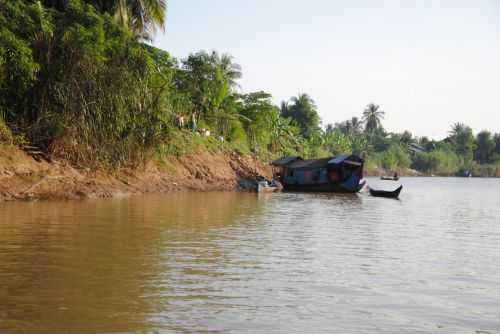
pixel 342 173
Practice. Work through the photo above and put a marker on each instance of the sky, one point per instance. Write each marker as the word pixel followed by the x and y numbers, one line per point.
pixel 427 63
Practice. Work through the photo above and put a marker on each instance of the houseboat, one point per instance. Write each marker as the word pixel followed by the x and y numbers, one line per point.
pixel 342 174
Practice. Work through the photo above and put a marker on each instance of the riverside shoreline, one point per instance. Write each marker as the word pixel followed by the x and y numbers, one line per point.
pixel 24 178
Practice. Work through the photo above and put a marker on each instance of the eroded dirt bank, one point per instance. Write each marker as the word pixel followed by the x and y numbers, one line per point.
pixel 23 178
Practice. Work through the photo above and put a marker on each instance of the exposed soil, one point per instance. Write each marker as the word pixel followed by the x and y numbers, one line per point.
pixel 24 178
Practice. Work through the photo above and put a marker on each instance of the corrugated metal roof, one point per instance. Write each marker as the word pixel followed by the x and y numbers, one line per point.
pixel 285 160
pixel 338 159
pixel 312 163
pixel 346 159
pixel 297 162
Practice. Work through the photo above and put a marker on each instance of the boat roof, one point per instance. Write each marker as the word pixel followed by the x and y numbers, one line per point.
pixel 349 159
pixel 311 163
pixel 338 159
pixel 296 162
pixel 285 160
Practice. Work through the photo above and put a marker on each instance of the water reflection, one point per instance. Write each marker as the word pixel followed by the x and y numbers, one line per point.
pixel 277 263
pixel 101 266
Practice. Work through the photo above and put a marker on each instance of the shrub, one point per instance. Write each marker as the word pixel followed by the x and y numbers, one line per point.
pixel 5 134
pixel 441 162
pixel 395 157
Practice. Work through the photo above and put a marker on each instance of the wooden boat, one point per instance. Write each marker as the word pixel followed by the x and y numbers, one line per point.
pixel 265 187
pixel 390 178
pixel 340 174
pixel 385 193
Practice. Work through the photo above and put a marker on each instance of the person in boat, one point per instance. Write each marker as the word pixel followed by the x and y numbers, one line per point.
pixel 396 176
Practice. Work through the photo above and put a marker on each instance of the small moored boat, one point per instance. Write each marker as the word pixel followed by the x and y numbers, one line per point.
pixel 385 193
pixel 266 187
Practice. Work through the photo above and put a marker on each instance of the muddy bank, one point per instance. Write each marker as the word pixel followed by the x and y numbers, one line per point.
pixel 24 178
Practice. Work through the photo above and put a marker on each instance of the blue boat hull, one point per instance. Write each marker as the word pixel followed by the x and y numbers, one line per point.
pixel 323 188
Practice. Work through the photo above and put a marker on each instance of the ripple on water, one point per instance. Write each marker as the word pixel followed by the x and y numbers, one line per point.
pixel 240 263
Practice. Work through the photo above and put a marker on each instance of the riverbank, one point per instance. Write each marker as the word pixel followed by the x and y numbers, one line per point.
pixel 200 168
pixel 379 171
pixel 24 178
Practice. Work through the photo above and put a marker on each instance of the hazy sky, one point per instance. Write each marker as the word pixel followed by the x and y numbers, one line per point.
pixel 428 63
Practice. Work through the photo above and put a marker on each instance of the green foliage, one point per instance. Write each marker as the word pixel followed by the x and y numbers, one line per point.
pixel 486 170
pixel 18 69
pixel 350 127
pixel 141 17
pixel 284 136
pixel 462 139
pixel 79 86
pixel 207 81
pixel 77 82
pixel 372 116
pixel 303 111
pixel 182 142
pixel 238 137
pixel 6 136
pixel 258 109
pixel 440 162
pixel 394 158
pixel 485 147
pixel 337 142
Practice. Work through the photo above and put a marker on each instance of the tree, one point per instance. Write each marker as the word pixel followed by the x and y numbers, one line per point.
pixel 496 138
pixel 440 161
pixel 396 156
pixel 257 107
pixel 230 70
pixel 462 140
pixel 406 137
pixel 202 79
pixel 372 117
pixel 142 17
pixel 283 135
pixel 350 127
pixel 303 112
pixel 356 125
pixel 485 147
pixel 456 129
pixel 336 141
pixel 20 22
pixel 427 144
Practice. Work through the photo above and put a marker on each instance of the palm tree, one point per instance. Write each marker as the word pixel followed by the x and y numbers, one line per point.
pixel 355 125
pixel 231 71
pixel 457 128
pixel 372 117
pixel 284 108
pixel 142 17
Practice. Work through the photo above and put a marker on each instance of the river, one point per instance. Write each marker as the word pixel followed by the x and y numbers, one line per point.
pixel 243 263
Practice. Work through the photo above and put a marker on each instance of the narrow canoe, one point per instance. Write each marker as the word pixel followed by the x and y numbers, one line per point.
pixel 387 194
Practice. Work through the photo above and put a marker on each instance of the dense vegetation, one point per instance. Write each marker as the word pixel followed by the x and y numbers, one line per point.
pixel 79 81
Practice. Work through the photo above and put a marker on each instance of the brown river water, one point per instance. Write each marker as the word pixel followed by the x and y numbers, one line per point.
pixel 247 263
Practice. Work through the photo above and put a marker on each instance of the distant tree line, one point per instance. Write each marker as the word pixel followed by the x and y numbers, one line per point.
pixel 460 153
